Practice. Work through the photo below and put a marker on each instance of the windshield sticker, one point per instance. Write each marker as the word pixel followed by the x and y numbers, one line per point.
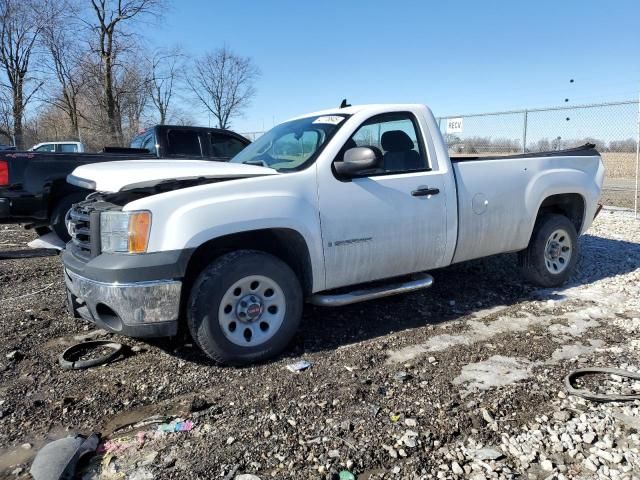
pixel 330 119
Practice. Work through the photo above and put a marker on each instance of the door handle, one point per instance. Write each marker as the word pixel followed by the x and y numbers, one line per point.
pixel 425 191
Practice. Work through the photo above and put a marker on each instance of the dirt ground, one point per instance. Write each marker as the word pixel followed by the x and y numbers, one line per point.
pixel 447 383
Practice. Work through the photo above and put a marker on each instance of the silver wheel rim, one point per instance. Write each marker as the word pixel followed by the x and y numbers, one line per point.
pixel 557 253
pixel 252 311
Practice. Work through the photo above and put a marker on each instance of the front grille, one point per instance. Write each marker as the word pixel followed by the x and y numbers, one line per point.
pixel 83 223
pixel 84 233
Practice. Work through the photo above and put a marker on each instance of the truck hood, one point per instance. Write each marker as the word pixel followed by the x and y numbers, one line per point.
pixel 130 174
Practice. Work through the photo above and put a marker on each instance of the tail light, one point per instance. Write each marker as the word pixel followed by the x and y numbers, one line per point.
pixel 4 173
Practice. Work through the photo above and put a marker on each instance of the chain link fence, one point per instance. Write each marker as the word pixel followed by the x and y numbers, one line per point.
pixel 612 127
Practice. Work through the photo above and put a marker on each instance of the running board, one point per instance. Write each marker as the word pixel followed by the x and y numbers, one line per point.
pixel 419 282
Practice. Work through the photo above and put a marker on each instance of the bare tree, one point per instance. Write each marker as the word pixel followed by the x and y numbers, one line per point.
pixel 224 83
pixel 165 71
pixel 111 16
pixel 21 24
pixel 67 58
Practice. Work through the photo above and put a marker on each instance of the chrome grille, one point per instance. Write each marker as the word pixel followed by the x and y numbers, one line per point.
pixel 79 227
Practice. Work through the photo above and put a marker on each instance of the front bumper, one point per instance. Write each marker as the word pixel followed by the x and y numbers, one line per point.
pixel 136 309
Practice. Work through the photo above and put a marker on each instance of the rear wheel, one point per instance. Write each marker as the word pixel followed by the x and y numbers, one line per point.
pixel 244 307
pixel 551 256
pixel 58 219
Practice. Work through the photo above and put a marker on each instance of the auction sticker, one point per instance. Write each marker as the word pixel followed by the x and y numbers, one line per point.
pixel 330 119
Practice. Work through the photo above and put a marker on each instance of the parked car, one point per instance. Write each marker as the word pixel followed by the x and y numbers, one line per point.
pixel 318 208
pixel 6 148
pixel 59 147
pixel 33 186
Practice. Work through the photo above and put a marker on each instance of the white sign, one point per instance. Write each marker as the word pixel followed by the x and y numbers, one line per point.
pixel 455 125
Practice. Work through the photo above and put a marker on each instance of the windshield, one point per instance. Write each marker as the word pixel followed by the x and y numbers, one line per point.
pixel 293 145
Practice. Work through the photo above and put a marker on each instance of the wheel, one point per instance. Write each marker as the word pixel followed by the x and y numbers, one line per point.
pixel 244 307
pixel 58 216
pixel 552 253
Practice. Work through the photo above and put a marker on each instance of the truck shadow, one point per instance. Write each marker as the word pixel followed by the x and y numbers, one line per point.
pixel 458 291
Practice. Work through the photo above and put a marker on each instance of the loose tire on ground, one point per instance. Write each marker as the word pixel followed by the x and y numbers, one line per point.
pixel 244 307
pixel 59 214
pixel 551 256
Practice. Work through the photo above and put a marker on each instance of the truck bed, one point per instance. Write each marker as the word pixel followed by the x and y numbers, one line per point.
pixel 498 196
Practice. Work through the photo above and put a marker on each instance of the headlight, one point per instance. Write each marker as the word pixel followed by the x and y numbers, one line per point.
pixel 125 232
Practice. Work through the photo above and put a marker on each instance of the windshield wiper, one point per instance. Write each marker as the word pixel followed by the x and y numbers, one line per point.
pixel 259 163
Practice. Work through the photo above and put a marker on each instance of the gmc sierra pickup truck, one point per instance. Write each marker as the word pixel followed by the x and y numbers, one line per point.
pixel 333 207
pixel 33 186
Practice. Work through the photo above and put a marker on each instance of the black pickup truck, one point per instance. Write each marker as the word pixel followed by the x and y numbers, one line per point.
pixel 33 186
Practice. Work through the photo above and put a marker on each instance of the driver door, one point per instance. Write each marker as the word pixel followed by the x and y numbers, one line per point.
pixel 380 225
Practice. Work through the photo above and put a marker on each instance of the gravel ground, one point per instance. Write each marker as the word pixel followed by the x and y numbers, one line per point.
pixel 464 380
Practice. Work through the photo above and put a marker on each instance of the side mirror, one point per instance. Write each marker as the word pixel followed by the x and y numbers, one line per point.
pixel 357 160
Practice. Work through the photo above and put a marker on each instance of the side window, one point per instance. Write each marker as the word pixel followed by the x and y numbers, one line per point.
pixel 224 146
pixel 183 142
pixel 397 138
pixel 149 142
pixel 68 147
pixel 49 147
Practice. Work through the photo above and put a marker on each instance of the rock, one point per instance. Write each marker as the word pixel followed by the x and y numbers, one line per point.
pixel 401 376
pixel 588 438
pixel 246 476
pixel 334 453
pixel 17 471
pixel 546 465
pixel 487 416
pixel 230 440
pixel 15 355
pixel 26 446
pixel 431 359
pixel 562 416
pixel 456 468
pixel 589 465
pixel 410 422
pixel 487 454
pixel 409 438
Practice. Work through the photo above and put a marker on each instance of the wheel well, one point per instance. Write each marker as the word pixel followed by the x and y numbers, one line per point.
pixel 571 205
pixel 286 244
pixel 60 189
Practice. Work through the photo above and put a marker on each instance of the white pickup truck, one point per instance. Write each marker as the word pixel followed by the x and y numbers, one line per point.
pixel 332 207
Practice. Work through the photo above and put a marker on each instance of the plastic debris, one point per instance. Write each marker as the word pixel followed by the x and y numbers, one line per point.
pixel 346 475
pixel 176 426
pixel 394 418
pixel 299 366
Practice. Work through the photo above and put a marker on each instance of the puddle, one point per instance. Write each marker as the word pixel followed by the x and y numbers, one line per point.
pixel 10 458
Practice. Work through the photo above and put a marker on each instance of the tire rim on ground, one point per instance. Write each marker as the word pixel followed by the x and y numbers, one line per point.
pixel 252 311
pixel 557 252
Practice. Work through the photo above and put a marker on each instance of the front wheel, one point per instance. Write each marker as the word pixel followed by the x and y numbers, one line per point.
pixel 244 307
pixel 58 217
pixel 551 256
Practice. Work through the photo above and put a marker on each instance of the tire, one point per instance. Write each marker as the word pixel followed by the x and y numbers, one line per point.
pixel 235 323
pixel 551 256
pixel 59 214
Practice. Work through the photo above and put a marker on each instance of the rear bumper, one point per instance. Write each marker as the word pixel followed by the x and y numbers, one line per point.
pixel 137 309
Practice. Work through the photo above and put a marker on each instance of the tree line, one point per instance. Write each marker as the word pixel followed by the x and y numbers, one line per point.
pixel 79 70
pixel 480 144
